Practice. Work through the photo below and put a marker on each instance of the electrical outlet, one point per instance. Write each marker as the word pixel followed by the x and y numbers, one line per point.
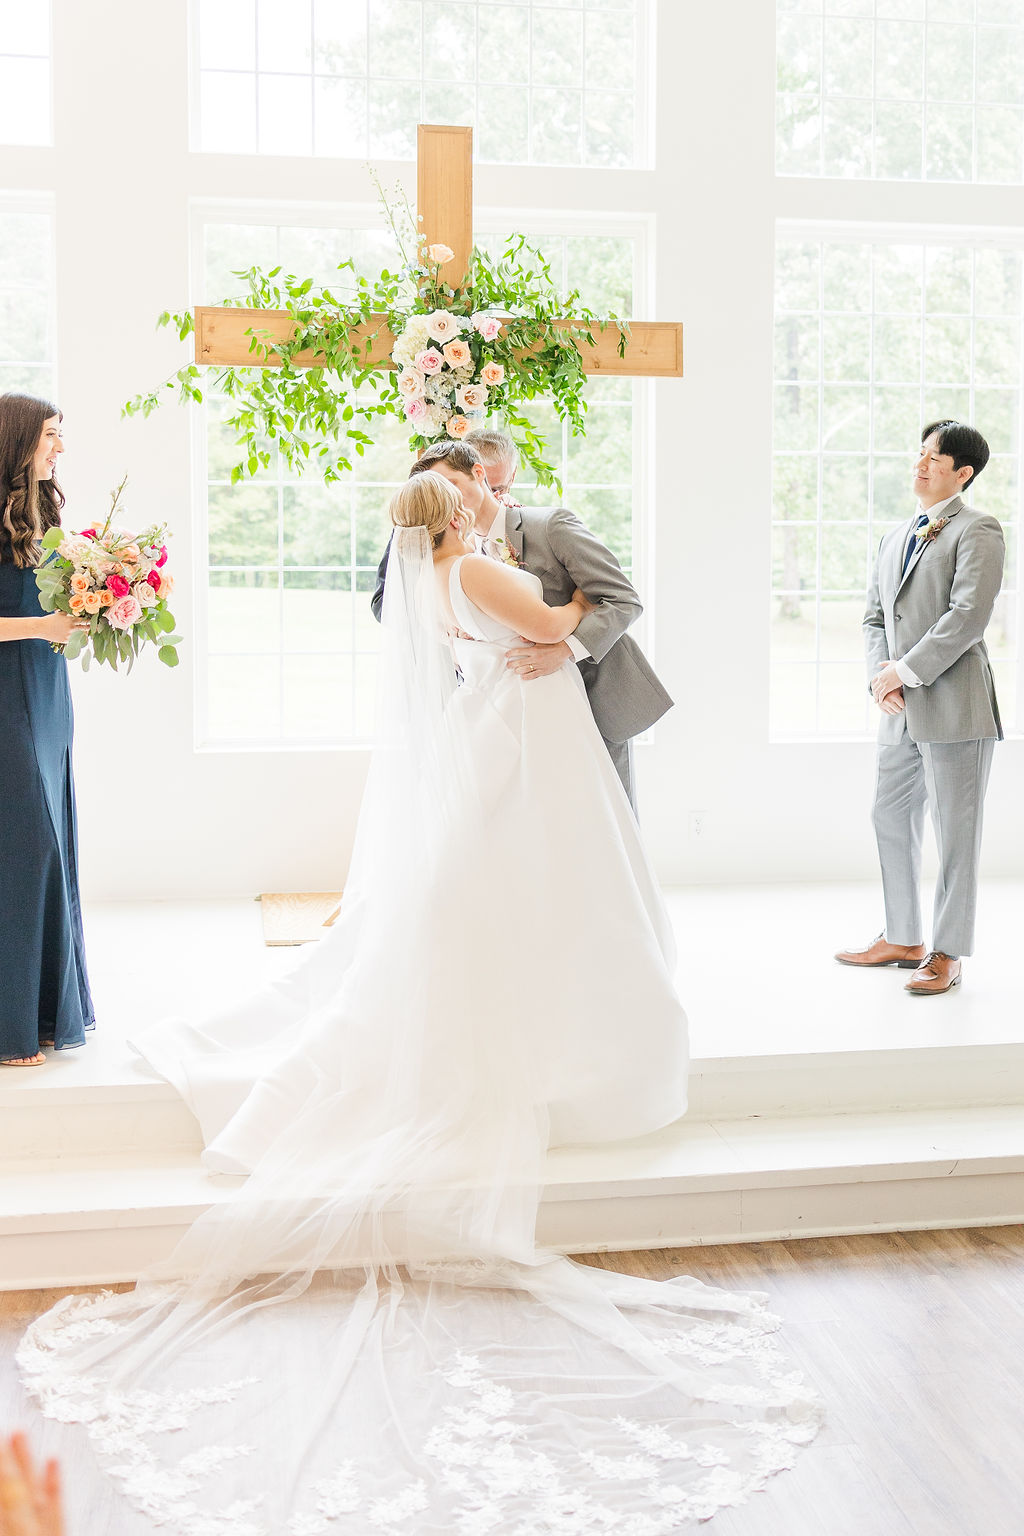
pixel 698 823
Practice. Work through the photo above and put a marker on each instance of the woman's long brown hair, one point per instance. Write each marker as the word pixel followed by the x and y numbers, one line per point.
pixel 30 506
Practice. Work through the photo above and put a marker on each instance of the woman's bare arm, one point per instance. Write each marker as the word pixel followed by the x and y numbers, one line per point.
pixel 504 596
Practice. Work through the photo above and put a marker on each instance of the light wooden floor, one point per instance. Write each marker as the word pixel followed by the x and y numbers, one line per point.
pixel 915 1341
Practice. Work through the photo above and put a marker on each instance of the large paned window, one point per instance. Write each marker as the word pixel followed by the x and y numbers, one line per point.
pixel 288 638
pixel 552 83
pixel 25 72
pixel 919 90
pixel 27 350
pixel 877 334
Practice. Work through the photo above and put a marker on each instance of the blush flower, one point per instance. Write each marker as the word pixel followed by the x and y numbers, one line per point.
pixel 430 361
pixel 409 383
pixel 492 374
pixel 124 613
pixel 471 397
pixel 457 354
pixel 457 426
pixel 441 326
pixel 416 410
pixel 118 585
pixel 488 326
pixel 145 594
pixel 440 254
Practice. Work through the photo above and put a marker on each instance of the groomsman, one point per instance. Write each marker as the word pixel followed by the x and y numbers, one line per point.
pixel 935 582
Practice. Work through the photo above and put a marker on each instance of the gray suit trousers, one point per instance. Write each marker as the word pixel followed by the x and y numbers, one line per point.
pixel 951 777
pixel 621 754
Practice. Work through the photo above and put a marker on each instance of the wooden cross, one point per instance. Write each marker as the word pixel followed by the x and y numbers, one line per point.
pixel 444 204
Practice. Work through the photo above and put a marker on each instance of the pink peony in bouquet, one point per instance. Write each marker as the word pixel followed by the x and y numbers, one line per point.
pixel 117 581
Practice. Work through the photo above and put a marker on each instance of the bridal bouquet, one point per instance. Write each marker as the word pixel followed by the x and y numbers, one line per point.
pixel 448 372
pixel 117 581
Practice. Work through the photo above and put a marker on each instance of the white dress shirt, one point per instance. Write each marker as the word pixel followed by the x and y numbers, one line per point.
pixel 488 546
pixel 907 677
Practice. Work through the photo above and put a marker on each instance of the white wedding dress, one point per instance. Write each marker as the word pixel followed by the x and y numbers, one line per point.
pixel 366 1337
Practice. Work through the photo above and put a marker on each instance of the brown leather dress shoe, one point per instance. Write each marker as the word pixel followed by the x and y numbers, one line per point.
pixel 880 952
pixel 939 973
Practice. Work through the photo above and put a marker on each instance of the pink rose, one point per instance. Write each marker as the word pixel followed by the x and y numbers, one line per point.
pixel 163 555
pixel 488 325
pixel 429 361
pixel 471 397
pixel 416 410
pixel 492 374
pixel 118 585
pixel 457 426
pixel 154 578
pixel 409 382
pixel 457 354
pixel 124 613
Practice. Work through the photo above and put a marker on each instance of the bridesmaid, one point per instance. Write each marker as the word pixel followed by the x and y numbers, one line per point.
pixel 44 987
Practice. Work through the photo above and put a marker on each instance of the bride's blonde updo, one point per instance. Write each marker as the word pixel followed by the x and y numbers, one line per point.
pixel 429 501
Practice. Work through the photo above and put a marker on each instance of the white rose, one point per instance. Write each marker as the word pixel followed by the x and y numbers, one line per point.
pixel 145 594
pixel 410 383
pixel 442 326
pixel 471 397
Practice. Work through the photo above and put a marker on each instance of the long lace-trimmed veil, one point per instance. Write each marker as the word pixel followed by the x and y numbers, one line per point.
pixel 365 1336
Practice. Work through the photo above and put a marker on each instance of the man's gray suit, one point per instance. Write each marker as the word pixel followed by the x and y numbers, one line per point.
pixel 625 695
pixel 939 748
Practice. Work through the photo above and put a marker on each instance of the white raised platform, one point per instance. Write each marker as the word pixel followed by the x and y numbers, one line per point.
pixel 823 1100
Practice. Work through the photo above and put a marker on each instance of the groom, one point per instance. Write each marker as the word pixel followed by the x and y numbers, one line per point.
pixel 625 696
pixel 936 580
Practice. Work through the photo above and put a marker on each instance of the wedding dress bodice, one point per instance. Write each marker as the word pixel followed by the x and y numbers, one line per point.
pixel 481 659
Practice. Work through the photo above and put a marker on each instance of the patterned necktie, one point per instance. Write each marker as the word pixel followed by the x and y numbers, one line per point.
pixel 912 541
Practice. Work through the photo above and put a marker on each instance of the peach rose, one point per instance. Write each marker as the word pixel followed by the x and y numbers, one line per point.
pixel 166 585
pixel 93 602
pixel 471 397
pixel 440 254
pixel 77 603
pixel 457 354
pixel 492 374
pixel 80 584
pixel 457 426
pixel 131 555
pixel 106 597
pixel 409 382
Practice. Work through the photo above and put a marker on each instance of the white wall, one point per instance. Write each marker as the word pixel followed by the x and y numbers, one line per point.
pixel 240 822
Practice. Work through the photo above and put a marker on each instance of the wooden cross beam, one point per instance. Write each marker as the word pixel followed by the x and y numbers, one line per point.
pixel 444 203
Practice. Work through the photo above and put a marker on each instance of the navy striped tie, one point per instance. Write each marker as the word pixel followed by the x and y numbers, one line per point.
pixel 912 541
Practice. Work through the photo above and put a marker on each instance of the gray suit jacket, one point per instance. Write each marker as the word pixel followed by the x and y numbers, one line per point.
pixel 625 696
pixel 934 618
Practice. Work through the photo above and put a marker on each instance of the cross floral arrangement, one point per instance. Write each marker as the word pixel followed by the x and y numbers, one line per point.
pixel 506 337
pixel 115 580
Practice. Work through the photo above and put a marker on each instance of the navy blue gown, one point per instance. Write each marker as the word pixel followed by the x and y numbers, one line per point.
pixel 44 985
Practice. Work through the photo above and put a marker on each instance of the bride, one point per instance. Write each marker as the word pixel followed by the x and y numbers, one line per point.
pixel 365 1337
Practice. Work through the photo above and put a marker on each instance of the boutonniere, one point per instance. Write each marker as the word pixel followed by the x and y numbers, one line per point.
pixel 930 531
pixel 506 553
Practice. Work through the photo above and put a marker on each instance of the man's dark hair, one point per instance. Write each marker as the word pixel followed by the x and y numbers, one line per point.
pixel 458 456
pixel 964 444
